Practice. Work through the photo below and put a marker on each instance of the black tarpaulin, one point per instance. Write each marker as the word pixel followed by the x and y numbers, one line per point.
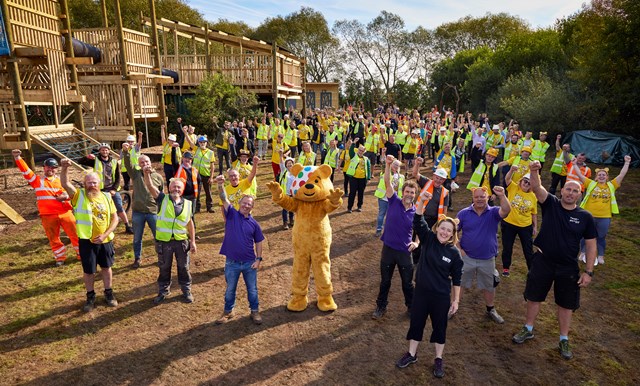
pixel 605 148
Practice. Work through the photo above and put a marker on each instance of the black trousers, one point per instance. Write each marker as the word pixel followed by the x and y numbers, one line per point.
pixel 509 233
pixel 427 305
pixel 555 179
pixel 388 261
pixel 223 154
pixel 346 183
pixel 356 186
pixel 206 187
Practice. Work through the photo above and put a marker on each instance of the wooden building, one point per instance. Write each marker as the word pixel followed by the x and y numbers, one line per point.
pixel 322 95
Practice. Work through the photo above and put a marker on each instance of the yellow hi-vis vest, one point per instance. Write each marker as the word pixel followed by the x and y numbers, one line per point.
pixel 98 168
pixel 202 161
pixel 476 177
pixel 83 214
pixel 262 131
pixel 558 163
pixel 381 190
pixel 168 224
pixel 307 159
pixel 539 150
pixel 330 158
pixel 612 189
pixel 372 143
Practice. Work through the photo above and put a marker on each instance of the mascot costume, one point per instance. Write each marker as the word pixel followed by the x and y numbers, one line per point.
pixel 312 199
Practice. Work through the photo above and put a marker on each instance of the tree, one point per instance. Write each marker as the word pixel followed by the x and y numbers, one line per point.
pixel 381 50
pixel 238 28
pixel 306 34
pixel 216 96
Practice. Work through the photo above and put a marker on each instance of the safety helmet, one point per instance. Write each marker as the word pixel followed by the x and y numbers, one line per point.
pixel 51 162
pixel 203 138
pixel 104 145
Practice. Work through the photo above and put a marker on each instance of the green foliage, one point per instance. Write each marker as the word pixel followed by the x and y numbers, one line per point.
pixel 216 96
pixel 238 28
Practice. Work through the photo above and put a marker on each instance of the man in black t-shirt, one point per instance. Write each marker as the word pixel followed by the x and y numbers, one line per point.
pixel 392 148
pixel 556 258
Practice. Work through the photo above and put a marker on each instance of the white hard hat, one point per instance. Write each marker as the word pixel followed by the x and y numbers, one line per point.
pixel 440 172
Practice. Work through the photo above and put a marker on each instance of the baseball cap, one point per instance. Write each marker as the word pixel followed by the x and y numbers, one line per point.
pixel 187 154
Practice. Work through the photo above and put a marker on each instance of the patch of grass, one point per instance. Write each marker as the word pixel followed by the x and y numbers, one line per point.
pixel 632 283
pixel 630 214
pixel 611 366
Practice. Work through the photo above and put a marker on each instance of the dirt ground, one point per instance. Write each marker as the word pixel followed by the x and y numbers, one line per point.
pixel 45 338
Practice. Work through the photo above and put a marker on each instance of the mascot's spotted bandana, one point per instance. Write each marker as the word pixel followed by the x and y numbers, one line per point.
pixel 300 179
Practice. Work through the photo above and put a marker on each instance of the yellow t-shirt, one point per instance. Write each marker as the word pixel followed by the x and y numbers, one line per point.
pixel 275 156
pixel 361 171
pixel 523 168
pixel 101 210
pixel 234 194
pixel 599 202
pixel 303 132
pixel 225 140
pixel 445 163
pixel 523 206
pixel 186 147
pixel 486 182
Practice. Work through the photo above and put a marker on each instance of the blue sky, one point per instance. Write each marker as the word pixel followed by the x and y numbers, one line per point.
pixel 427 13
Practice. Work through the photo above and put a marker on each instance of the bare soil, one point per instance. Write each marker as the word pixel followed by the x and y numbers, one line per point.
pixel 45 338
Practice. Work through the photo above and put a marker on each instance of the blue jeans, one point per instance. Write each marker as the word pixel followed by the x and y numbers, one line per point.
pixel 138 220
pixel 602 228
pixel 286 214
pixel 382 211
pixel 232 270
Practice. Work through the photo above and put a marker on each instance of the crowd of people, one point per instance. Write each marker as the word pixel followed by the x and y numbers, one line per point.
pixel 437 255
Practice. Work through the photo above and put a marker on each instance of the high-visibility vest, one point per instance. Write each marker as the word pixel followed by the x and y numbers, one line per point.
pixel 133 156
pixel 428 187
pixel 353 164
pixel 381 190
pixel 99 168
pixel 510 148
pixel 262 131
pixel 612 189
pixel 328 136
pixel 83 214
pixel 307 159
pixel 573 176
pixel 202 161
pixel 493 140
pixel 290 137
pixel 46 191
pixel 330 158
pixel 372 142
pixel 166 152
pixel 539 150
pixel 168 224
pixel 476 177
pixel 182 173
pixel 401 137
pixel 558 163
pixel 275 130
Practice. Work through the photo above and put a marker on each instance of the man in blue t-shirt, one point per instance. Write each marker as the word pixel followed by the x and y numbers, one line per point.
pixel 242 246
pixel 555 261
pixel 479 243
pixel 397 241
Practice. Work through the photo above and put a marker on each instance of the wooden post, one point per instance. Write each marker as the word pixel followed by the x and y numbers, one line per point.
pixel 73 70
pixel 177 58
pixel 207 49
pixel 241 65
pixel 303 85
pixel 18 96
pixel 105 20
pixel 124 68
pixel 158 64
pixel 274 80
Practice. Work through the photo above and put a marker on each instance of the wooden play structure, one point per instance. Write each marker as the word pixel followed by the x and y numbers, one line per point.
pixel 193 52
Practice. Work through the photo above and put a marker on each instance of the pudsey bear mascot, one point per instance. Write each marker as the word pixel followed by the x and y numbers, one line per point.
pixel 312 199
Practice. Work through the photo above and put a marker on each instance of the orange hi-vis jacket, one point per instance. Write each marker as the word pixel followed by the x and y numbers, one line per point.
pixel 429 188
pixel 181 173
pixel 47 189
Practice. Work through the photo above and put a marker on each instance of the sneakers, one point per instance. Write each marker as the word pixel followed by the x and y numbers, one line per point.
pixel 438 368
pixel 256 318
pixel 128 230
pixel 285 226
pixel 226 316
pixel 406 360
pixel 110 298
pixel 378 313
pixel 522 335
pixel 211 210
pixel 505 272
pixel 291 223
pixel 564 349
pixel 600 260
pixel 495 316
pixel 187 297
pixel 59 263
pixel 582 257
pixel 90 304
pixel 136 264
pixel 378 232
pixel 349 211
pixel 160 298
pixel 359 210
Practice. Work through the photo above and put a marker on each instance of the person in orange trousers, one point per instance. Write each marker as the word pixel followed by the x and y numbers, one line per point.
pixel 53 206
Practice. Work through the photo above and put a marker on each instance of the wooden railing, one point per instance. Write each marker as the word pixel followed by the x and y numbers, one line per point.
pixel 137 48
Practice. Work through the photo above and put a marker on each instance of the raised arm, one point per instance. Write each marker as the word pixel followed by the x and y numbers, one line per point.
pixel 254 169
pixel 153 190
pixel 163 134
pixel 505 206
pixel 188 138
pixel 416 167
pixel 139 142
pixel 64 177
pixel 222 193
pixel 578 172
pixel 387 176
pixel 624 170
pixel 507 178
pixel 558 137
pixel 536 185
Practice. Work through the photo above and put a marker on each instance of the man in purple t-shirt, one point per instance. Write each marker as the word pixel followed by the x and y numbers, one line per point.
pixel 242 234
pixel 479 243
pixel 397 241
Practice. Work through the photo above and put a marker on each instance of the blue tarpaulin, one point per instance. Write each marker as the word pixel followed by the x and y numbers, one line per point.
pixel 4 42
pixel 605 148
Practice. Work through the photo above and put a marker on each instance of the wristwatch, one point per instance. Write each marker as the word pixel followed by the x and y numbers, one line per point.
pixel 260 259
pixel 590 273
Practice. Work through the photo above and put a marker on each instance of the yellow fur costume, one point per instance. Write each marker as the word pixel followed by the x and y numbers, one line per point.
pixel 313 198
